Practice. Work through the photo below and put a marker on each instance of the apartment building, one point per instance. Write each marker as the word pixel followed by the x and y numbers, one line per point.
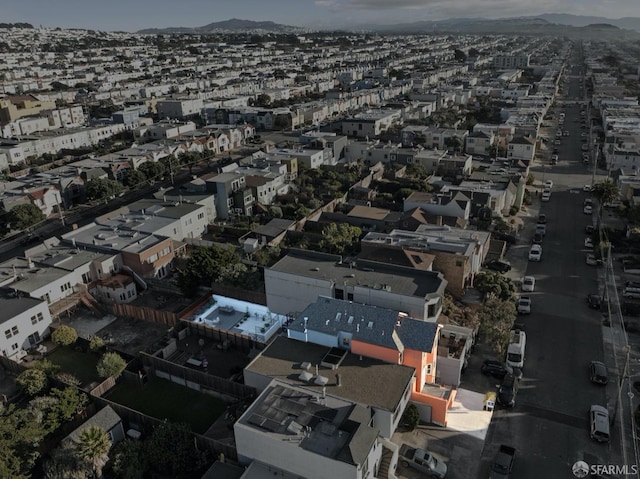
pixel 294 282
pixel 20 106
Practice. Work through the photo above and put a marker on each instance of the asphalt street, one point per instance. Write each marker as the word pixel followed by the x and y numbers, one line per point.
pixel 549 424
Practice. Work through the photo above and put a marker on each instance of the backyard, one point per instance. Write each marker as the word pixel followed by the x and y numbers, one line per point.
pixel 79 364
pixel 164 399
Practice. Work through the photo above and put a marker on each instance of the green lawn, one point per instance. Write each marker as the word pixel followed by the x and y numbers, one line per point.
pixel 81 365
pixel 164 399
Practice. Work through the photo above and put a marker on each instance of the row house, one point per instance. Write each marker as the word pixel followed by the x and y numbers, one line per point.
pixel 180 109
pixel 232 194
pixel 622 151
pixel 447 203
pixel 46 198
pixel 143 254
pixel 70 117
pixel 457 253
pixel 193 192
pixel 522 148
pixel 295 282
pixel 370 124
pixel 163 130
pixel 479 143
pixel 24 323
pixel 20 106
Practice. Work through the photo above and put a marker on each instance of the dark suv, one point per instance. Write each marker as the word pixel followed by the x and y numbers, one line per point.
pixel 494 368
pixel 497 265
pixel 594 301
pixel 506 237
pixel 508 390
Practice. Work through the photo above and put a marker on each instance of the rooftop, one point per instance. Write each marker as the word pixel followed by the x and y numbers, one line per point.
pixel 360 376
pixel 13 305
pixel 110 238
pixel 397 279
pixel 323 425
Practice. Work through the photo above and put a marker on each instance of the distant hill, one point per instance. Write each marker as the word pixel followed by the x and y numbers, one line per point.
pixel 16 25
pixel 630 23
pixel 233 25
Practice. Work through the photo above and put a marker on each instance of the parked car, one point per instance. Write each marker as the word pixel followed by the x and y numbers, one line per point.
pixel 498 265
pixel 423 461
pixel 503 463
pixel 508 391
pixel 497 369
pixel 535 253
pixel 542 219
pixel 507 237
pixel 546 195
pixel 599 423
pixel 589 229
pixel 598 372
pixel 588 210
pixel 594 301
pixel 588 242
pixel 548 184
pixel 586 188
pixel 537 238
pixel 593 261
pixel 528 283
pixel 541 228
pixel 524 305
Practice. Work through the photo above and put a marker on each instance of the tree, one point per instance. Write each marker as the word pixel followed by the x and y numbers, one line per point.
pixel 32 381
pixel 171 450
pixel 64 335
pixel 411 417
pixel 152 170
pixel 455 143
pixel 70 402
pixel 111 364
pixel 133 178
pixel 64 464
pixel 103 188
pixel 130 460
pixel 340 239
pixel 496 319
pixel 459 55
pixel 492 283
pixel 96 344
pixel 23 216
pixel 20 437
pixel 604 191
pixel 204 266
pixel 92 448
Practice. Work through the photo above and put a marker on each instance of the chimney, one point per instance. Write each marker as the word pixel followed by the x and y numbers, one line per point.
pixel 338 380
pixel 30 263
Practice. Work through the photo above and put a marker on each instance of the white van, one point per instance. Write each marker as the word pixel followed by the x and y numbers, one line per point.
pixel 516 349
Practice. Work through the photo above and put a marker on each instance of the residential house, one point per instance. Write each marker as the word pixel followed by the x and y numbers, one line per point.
pixel 479 143
pixel 522 148
pixel 384 334
pixel 23 324
pixel 192 192
pixel 454 349
pixel 370 124
pixel 446 203
pixel 20 106
pixel 296 280
pixel 457 253
pixel 308 435
pixel 232 194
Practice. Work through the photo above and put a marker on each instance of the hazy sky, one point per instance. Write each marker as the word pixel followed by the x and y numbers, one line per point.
pixel 132 15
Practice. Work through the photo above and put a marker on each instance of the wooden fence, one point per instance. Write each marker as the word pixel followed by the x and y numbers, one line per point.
pixel 198 380
pixel 146 424
pixel 11 366
pixel 145 314
pixel 241 341
pixel 103 387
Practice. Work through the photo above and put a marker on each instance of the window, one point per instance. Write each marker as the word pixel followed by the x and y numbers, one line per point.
pixel 349 296
pixel 200 216
pixel 40 317
pixel 8 334
pixel 14 346
pixel 427 370
pixel 14 330
pixel 153 258
pixel 339 294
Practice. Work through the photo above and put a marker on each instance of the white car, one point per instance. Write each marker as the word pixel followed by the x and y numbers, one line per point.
pixel 588 242
pixel 524 305
pixel 548 184
pixel 546 195
pixel 535 253
pixel 588 210
pixel 528 283
pixel 586 188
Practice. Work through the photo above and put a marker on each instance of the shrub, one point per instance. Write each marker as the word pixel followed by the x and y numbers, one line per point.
pixel 64 335
pixel 32 381
pixel 411 417
pixel 513 210
pixel 110 364
pixel 96 344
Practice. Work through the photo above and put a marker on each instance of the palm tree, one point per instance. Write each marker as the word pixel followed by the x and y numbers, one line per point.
pixel 92 447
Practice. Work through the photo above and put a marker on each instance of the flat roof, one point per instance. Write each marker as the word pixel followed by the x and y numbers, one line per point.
pixel 360 377
pixel 28 277
pixel 106 238
pixel 396 279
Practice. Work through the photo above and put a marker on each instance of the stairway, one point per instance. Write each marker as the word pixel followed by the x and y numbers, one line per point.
pixel 385 463
pixel 92 303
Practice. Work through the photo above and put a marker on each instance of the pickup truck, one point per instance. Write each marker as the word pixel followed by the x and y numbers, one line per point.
pixel 422 461
pixel 503 463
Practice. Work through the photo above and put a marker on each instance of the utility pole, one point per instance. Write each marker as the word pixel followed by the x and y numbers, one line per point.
pixel 620 383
